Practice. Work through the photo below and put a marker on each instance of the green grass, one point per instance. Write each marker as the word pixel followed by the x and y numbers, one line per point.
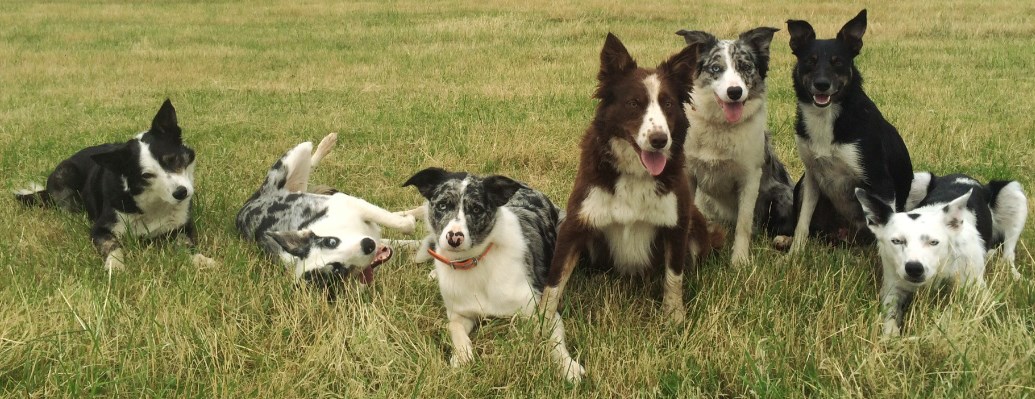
pixel 488 88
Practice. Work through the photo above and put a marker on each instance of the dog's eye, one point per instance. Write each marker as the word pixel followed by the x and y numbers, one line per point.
pixel 897 241
pixel 441 207
pixel 148 175
pixel 743 66
pixel 476 210
pixel 330 242
pixel 668 104
pixel 836 62
pixel 633 104
pixel 934 243
pixel 715 68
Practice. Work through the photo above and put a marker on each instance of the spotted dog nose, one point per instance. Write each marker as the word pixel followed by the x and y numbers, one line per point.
pixel 180 194
pixel 455 238
pixel 734 93
pixel 821 85
pixel 367 245
pixel 658 140
pixel 914 269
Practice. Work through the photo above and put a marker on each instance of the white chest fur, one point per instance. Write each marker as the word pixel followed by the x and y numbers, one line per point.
pixel 500 286
pixel 719 154
pixel 836 167
pixel 154 221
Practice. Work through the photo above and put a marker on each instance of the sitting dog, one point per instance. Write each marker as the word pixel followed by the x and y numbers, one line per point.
pixel 842 138
pixel 945 239
pixel 631 208
pixel 492 239
pixel 317 235
pixel 737 177
pixel 142 187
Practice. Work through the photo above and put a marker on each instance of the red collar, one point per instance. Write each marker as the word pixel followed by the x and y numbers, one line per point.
pixel 466 264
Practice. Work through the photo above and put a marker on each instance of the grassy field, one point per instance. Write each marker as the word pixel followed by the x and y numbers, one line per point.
pixel 487 88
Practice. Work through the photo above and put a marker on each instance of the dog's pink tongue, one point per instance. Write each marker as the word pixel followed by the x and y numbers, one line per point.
pixel 367 276
pixel 653 161
pixel 733 111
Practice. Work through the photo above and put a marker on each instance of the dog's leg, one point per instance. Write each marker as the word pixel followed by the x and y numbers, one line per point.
pixel 571 241
pixel 675 262
pixel 745 217
pixel 894 301
pixel 459 331
pixel 1009 213
pixel 401 221
pixel 570 369
pixel 323 149
pixel 188 236
pixel 809 198
pixel 108 246
pixel 298 163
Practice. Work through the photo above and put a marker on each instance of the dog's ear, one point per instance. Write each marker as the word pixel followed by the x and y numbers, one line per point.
pixel 852 33
pixel 116 160
pixel 682 66
pixel 877 211
pixel 297 243
pixel 426 180
pixel 164 125
pixel 615 60
pixel 802 35
pixel 499 189
pixel 955 210
pixel 696 37
pixel 759 39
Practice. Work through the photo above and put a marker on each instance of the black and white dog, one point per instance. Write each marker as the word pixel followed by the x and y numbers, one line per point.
pixel 142 187
pixel 739 180
pixel 842 138
pixel 317 235
pixel 492 239
pixel 945 239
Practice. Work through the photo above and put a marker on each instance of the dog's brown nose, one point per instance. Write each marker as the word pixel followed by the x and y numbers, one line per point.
pixel 658 140
pixel 455 238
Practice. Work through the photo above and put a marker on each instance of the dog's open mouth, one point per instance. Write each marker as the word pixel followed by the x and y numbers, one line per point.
pixel 733 110
pixel 821 100
pixel 653 161
pixel 383 254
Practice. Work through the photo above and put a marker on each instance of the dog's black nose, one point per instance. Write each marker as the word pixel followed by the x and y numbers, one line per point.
pixel 734 92
pixel 180 194
pixel 914 269
pixel 658 140
pixel 822 85
pixel 367 245
pixel 455 238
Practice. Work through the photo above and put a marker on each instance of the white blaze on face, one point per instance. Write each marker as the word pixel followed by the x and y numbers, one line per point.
pixel 653 124
pixel 457 227
pixel 165 183
pixel 732 108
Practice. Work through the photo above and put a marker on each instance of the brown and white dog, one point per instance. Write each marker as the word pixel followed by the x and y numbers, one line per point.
pixel 631 207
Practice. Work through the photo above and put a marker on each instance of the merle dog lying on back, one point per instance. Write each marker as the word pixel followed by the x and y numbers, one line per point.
pixel 321 237
pixel 842 138
pixel 142 187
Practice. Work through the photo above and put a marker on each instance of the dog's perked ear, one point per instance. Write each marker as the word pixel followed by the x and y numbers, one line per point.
pixel 802 35
pixel 955 209
pixel 297 243
pixel 759 39
pixel 499 189
pixel 851 35
pixel 682 66
pixel 165 125
pixel 877 211
pixel 115 160
pixel 696 37
pixel 615 60
pixel 426 180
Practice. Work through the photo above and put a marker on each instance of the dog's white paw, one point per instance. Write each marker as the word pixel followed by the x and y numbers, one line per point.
pixel 573 371
pixel 202 261
pixel 460 359
pixel 410 226
pixel 891 329
pixel 675 313
pixel 741 258
pixel 114 261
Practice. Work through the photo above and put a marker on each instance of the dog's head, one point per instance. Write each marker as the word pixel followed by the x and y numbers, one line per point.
pixel 825 68
pixel 734 71
pixel 156 167
pixel 916 243
pixel 645 106
pixel 340 253
pixel 462 208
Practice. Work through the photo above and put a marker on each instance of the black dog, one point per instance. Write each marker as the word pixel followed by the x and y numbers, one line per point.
pixel 142 187
pixel 842 138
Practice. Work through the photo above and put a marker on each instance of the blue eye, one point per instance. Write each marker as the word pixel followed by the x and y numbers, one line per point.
pixel 442 207
pixel 330 242
pixel 715 68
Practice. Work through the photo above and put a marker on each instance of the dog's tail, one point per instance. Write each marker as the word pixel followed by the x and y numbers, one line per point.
pixel 34 195
pixel 1009 212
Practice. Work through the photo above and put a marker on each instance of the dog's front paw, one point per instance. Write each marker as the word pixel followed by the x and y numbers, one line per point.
pixel 782 243
pixel 573 371
pixel 460 359
pixel 741 258
pixel 202 261
pixel 114 261
pixel 891 329
pixel 675 313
